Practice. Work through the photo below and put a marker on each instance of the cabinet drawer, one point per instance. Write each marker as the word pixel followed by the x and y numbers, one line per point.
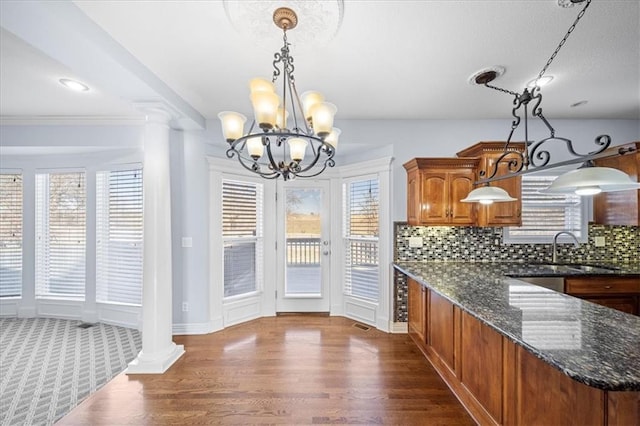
pixel 602 285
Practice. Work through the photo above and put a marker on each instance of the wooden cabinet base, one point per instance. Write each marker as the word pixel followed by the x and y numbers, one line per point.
pixel 500 382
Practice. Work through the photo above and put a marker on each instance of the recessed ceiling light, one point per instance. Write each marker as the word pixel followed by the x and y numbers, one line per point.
pixel 542 81
pixel 579 103
pixel 74 85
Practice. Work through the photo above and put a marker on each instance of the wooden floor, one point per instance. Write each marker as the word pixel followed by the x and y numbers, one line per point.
pixel 282 370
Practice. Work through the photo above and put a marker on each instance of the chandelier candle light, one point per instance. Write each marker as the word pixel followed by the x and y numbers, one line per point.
pixel 586 180
pixel 311 117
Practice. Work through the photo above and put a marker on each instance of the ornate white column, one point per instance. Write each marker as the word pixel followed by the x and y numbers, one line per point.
pixel 159 352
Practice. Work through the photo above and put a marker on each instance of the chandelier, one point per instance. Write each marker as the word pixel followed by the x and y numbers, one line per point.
pixel 586 180
pixel 285 127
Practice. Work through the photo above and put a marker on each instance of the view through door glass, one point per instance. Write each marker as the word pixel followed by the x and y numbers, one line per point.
pixel 303 232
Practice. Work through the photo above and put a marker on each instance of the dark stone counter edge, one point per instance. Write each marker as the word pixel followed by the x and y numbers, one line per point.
pixel 631 385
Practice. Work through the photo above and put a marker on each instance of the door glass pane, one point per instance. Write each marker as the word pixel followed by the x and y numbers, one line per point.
pixel 303 225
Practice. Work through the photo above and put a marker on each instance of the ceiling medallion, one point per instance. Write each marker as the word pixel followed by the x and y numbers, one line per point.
pixel 317 21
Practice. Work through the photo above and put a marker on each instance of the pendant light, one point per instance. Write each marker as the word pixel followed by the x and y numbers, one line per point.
pixel 488 195
pixel 590 180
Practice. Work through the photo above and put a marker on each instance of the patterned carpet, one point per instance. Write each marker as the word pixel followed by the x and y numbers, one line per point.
pixel 48 366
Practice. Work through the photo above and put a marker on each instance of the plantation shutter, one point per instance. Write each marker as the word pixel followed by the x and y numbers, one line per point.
pixel 544 215
pixel 119 228
pixel 361 238
pixel 10 235
pixel 242 235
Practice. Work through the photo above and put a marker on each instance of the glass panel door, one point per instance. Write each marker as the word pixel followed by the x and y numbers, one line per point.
pixel 305 255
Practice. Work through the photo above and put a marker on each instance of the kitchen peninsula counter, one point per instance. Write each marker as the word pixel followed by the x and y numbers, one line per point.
pixel 606 353
pixel 593 345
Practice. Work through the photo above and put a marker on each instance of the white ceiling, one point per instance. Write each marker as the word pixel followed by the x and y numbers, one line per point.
pixel 389 59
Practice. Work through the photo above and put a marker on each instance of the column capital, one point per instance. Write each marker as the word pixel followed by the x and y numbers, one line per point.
pixel 157 111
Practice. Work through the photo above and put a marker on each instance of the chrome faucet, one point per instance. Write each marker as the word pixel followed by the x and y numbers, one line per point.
pixel 554 254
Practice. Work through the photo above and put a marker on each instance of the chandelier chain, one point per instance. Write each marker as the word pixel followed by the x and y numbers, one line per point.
pixel 564 40
pixel 500 89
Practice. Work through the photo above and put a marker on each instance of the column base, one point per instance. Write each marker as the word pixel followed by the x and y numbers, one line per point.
pixel 158 364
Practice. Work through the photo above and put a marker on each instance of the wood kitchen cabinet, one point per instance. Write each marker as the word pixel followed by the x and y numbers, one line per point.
pixel 417 310
pixel 622 207
pixel 481 364
pixel 621 293
pixel 498 214
pixel 442 335
pixel 500 382
pixel 435 187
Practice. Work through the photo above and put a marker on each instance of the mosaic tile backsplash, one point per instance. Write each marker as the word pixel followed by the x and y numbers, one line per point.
pixel 480 244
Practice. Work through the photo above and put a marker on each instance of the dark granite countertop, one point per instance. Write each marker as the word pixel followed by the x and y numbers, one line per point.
pixel 590 343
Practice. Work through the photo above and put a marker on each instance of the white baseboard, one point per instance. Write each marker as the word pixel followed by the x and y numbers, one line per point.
pixel 399 327
pixel 195 328
pixel 155 363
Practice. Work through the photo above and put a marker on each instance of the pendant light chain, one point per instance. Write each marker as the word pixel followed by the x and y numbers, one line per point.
pixel 564 40
pixel 553 56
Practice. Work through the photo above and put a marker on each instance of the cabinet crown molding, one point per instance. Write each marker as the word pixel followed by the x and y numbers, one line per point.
pixel 424 162
pixel 490 147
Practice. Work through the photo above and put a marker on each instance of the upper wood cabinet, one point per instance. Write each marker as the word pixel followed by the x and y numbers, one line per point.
pixel 622 207
pixel 498 214
pixel 435 187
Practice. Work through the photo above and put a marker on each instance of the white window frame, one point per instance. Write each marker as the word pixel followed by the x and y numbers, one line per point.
pixel 110 265
pixel 11 247
pixel 582 209
pixel 258 239
pixel 43 236
pixel 348 239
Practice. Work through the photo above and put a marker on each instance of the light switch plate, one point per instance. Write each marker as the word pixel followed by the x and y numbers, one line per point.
pixel 599 241
pixel 187 242
pixel 415 242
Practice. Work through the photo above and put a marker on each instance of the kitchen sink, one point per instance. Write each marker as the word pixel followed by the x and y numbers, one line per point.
pixel 592 268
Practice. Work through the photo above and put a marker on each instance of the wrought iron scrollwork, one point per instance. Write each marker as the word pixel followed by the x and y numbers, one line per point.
pixel 273 168
pixel 535 157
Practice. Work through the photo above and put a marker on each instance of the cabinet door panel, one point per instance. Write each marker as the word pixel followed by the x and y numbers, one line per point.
pixel 417 310
pixel 413 198
pixel 623 207
pixel 434 198
pixel 460 184
pixel 505 213
pixel 546 396
pixel 441 331
pixel 481 364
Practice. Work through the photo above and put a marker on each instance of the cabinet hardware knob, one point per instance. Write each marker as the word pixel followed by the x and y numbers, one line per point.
pixel 607 287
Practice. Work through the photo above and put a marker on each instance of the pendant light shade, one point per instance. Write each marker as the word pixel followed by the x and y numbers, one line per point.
pixel 590 181
pixel 488 195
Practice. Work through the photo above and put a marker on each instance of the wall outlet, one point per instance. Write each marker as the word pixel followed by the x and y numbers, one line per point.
pixel 415 242
pixel 185 306
pixel 599 241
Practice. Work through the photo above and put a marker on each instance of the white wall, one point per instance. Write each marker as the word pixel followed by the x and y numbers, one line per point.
pixel 190 220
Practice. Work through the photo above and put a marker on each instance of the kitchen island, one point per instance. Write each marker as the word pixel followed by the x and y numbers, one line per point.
pixel 516 353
